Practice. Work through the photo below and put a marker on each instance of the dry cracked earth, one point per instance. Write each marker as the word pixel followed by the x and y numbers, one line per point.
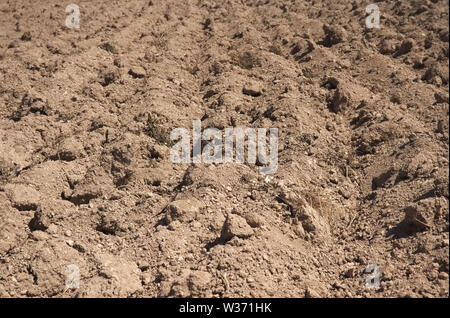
pixel 87 184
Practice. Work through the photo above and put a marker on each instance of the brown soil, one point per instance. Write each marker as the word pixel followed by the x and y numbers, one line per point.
pixel 86 177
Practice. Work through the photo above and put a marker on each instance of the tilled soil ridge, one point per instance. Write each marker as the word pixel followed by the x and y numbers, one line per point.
pixel 86 177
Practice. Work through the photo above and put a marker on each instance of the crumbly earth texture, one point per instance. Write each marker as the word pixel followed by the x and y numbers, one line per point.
pixel 87 186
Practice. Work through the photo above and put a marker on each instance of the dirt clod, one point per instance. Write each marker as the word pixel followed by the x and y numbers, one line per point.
pixel 253 89
pixel 235 226
pixel 183 210
pixel 22 197
pixel 40 221
pixel 137 72
pixel 405 47
pixel 88 183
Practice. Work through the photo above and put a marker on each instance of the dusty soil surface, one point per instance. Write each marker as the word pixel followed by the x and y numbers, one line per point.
pixel 86 177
